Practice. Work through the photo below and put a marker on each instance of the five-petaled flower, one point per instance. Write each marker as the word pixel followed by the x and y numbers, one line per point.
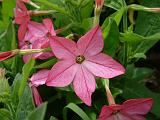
pixel 36 80
pixel 37 37
pixel 133 109
pixel 80 62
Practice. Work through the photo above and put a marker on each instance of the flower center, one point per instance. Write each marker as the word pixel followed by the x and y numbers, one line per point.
pixel 80 59
pixel 27 42
pixel 48 34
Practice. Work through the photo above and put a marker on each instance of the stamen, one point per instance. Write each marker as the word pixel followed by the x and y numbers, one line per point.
pixel 80 59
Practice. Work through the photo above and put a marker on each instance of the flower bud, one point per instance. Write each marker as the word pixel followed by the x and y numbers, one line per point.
pixel 6 55
pixel 99 3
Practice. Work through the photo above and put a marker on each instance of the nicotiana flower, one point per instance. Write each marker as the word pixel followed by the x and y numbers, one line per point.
pixel 133 109
pixel 37 37
pixel 22 17
pixel 80 62
pixel 36 80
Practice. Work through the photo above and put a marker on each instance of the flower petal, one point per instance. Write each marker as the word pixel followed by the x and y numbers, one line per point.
pixel 39 78
pixel 84 85
pixel 37 29
pixel 63 48
pixel 22 30
pixel 106 113
pixel 62 73
pixel 49 25
pixel 102 65
pixel 36 96
pixel 91 43
pixel 137 106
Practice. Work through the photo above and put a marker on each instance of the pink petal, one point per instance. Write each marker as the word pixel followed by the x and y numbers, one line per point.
pixel 91 43
pixel 49 25
pixel 137 106
pixel 84 85
pixel 63 48
pixel 39 44
pixel 62 73
pixel 22 30
pixel 39 78
pixel 106 113
pixel 37 29
pixel 36 96
pixel 102 65
pixel 120 116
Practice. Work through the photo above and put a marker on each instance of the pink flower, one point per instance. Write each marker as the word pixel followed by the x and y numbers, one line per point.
pixel 133 109
pixel 36 80
pixel 80 62
pixel 37 37
pixel 22 17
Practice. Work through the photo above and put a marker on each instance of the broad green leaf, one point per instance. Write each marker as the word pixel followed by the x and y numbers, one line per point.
pixel 76 109
pixel 115 4
pixel 111 37
pixel 135 86
pixel 47 64
pixel 38 113
pixel 147 24
pixel 26 73
pixel 25 105
pixel 5 114
pixel 86 8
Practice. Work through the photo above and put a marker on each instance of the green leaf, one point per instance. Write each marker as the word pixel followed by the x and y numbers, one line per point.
pixel 25 105
pixel 77 110
pixel 7 12
pixel 47 64
pixel 53 118
pixel 139 55
pixel 4 90
pixel 111 37
pixel 26 73
pixel 135 86
pixel 15 89
pixel 147 24
pixel 38 113
pixel 86 8
pixel 115 4
pixel 5 114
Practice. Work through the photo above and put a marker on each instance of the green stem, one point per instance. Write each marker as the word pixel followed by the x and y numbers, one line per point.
pixel 125 27
pixel 30 51
pixel 110 97
pixel 34 5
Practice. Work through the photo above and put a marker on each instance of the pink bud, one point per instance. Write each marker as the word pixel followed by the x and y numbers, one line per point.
pixel 6 55
pixel 99 3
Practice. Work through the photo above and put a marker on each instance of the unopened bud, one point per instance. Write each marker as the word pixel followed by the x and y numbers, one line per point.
pixel 6 55
pixel 99 3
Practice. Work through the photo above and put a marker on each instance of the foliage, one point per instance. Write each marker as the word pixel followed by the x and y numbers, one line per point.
pixel 125 40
